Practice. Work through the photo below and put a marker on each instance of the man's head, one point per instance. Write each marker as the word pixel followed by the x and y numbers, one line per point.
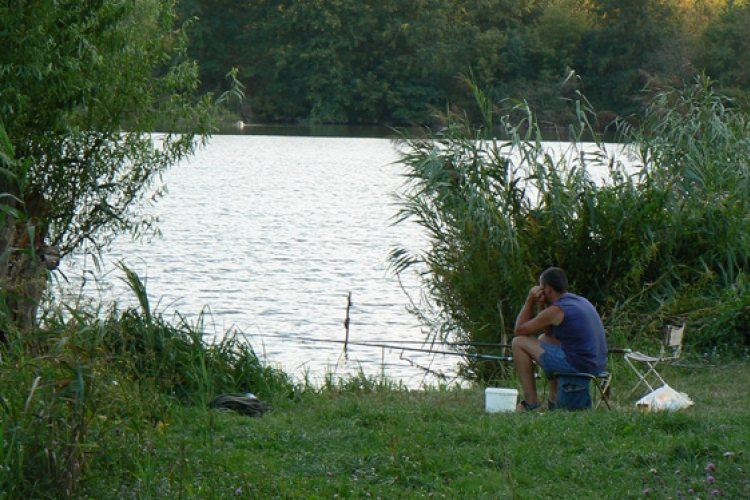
pixel 555 278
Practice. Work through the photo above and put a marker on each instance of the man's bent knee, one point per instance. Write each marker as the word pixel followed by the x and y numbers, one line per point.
pixel 549 339
pixel 529 345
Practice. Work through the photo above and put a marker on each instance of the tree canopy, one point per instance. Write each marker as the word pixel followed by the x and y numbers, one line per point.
pixel 83 86
pixel 392 61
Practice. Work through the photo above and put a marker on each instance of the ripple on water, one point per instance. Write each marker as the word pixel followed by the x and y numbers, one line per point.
pixel 272 233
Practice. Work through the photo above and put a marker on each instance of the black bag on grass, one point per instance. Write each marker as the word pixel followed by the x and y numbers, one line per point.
pixel 246 404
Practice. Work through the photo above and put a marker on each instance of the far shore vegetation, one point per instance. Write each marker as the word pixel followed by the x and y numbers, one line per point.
pixel 394 62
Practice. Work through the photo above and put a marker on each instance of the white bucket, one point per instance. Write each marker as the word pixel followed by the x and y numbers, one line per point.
pixel 497 399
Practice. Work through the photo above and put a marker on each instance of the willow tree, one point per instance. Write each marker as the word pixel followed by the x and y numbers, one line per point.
pixel 84 85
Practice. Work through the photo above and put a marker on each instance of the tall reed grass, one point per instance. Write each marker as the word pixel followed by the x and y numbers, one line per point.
pixel 659 233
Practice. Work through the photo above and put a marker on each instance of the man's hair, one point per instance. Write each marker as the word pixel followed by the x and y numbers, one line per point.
pixel 555 277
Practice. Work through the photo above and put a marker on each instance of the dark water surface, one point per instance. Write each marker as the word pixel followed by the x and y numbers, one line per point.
pixel 343 131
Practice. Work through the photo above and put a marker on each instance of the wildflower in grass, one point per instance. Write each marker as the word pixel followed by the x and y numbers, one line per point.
pixel 715 493
pixel 710 479
pixel 710 467
pixel 647 492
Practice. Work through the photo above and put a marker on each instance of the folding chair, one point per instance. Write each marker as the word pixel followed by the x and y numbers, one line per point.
pixel 577 382
pixel 601 382
pixel 671 349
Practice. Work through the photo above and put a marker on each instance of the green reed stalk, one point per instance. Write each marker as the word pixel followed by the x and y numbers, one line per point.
pixel 634 239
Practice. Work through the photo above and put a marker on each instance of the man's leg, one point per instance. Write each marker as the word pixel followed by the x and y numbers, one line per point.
pixel 548 339
pixel 526 350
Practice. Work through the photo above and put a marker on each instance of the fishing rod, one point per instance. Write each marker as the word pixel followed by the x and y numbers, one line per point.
pixel 441 342
pixel 391 344
pixel 384 341
pixel 610 350
pixel 377 343
pixel 416 349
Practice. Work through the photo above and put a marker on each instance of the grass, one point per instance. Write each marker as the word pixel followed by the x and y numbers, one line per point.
pixel 115 407
pixel 377 440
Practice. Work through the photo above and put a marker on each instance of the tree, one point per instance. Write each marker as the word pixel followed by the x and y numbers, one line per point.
pixel 726 43
pixel 83 84
pixel 352 61
pixel 624 41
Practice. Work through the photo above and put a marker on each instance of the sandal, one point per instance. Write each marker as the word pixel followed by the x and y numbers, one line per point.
pixel 526 407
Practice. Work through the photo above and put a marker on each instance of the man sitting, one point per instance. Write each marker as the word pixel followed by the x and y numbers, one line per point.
pixel 573 338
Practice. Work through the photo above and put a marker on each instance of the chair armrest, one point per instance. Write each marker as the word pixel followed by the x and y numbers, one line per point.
pixel 619 350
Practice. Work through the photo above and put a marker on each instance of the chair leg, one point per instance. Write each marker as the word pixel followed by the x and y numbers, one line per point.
pixel 642 378
pixel 603 388
pixel 658 375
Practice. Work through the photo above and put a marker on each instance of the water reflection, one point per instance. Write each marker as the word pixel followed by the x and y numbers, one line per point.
pixel 374 131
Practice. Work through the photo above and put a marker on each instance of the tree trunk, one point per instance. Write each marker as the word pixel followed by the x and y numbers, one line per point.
pixel 24 264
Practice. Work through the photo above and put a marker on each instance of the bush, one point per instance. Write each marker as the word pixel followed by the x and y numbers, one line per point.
pixel 633 232
pixel 86 395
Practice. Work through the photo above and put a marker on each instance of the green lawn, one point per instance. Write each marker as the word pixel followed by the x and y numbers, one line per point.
pixel 381 442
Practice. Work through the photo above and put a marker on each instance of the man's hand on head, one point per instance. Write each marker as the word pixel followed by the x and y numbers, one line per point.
pixel 536 294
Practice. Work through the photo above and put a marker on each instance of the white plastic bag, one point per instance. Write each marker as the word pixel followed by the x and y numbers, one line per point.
pixel 664 398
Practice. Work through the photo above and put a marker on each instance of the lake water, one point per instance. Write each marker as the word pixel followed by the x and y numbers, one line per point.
pixel 270 234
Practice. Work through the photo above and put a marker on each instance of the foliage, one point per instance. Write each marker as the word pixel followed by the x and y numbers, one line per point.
pixel 93 418
pixel 84 86
pixel 390 62
pixel 344 61
pixel 103 389
pixel 725 42
pixel 178 357
pixel 718 316
pixel 695 150
pixel 348 62
pixel 625 40
pixel 634 232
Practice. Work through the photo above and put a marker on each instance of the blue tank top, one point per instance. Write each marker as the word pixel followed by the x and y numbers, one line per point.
pixel 581 334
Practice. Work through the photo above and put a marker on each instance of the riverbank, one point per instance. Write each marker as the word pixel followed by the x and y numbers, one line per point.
pixel 363 438
pixel 115 405
pixel 367 440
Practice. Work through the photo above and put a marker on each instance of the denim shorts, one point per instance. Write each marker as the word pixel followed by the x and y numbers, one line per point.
pixel 554 360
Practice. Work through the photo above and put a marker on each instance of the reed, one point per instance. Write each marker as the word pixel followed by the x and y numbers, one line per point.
pixel 638 232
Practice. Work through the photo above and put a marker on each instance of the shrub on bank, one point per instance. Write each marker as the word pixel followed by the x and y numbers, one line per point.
pixel 647 229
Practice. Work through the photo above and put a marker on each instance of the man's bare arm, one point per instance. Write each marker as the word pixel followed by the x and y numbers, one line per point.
pixel 548 316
